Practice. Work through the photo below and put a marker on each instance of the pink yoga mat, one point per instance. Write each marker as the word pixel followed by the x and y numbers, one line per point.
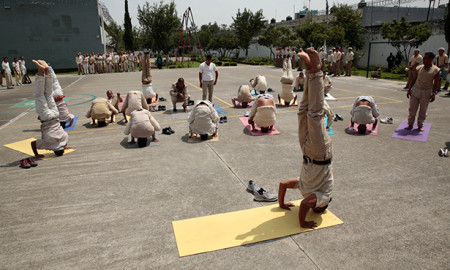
pixel 414 134
pixel 239 105
pixel 258 132
pixel 369 128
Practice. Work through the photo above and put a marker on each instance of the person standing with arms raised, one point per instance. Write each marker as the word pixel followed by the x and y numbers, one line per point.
pixel 206 73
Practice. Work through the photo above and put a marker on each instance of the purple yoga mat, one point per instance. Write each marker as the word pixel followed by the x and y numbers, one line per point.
pixel 414 134
pixel 258 132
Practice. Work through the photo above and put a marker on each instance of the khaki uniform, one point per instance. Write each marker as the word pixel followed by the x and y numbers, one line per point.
pixel 101 109
pixel 17 72
pixel 263 116
pixel 92 64
pixel 415 60
pixel 349 59
pixel 260 83
pixel 142 124
pixel 315 142
pixel 299 82
pixel 135 100
pixel 203 119
pixel 323 58
pixel 244 95
pixel 114 102
pixel 364 114
pixel 176 98
pixel 53 136
pixel 64 115
pixel 421 94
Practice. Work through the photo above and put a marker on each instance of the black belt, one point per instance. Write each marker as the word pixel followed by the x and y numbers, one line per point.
pixel 318 162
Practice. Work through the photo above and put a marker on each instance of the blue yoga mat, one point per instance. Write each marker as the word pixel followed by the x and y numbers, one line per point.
pixel 330 132
pixel 219 110
pixel 255 93
pixel 75 119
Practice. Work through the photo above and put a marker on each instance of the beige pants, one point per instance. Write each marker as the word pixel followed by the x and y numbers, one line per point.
pixel 9 82
pixel 146 74
pixel 18 76
pixel 116 67
pixel 207 87
pixel 314 139
pixel 92 68
pixel 410 76
pixel 80 69
pixel 178 99
pixel 348 71
pixel 419 98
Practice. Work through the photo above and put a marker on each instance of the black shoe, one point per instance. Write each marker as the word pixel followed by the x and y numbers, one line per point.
pixel 163 108
pixel 175 110
pixel 170 130
pixel 221 120
pixel 225 119
pixel 166 131
pixel 338 117
pixel 190 103
pixel 159 108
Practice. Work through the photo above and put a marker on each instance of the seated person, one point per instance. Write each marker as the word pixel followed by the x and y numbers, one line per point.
pixel 147 88
pixel 54 137
pixel 299 82
pixel 244 96
pixel 263 113
pixel 287 92
pixel 259 84
pixel 100 110
pixel 327 84
pixel 179 94
pixel 141 126
pixel 364 112
pixel 114 100
pixel 134 101
pixel 58 96
pixel 203 120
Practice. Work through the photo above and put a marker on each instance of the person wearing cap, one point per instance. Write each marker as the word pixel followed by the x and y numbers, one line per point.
pixel 349 58
pixel 17 72
pixel 422 90
pixel 330 61
pixel 147 88
pixel 316 177
pixel 337 63
pixel 53 136
pixel 142 125
pixel 79 61
pixel 287 93
pixel 244 96
pixel 114 100
pixel 58 95
pixel 263 113
pixel 415 61
pixel 203 120
pixel 6 70
pixel 322 56
pixel 364 112
pixel 260 83
pixel 341 61
pixel 441 61
pixel 179 94
pixel 134 101
pixel 208 75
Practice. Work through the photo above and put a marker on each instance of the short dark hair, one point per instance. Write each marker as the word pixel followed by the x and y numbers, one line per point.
pixel 102 123
pixel 59 153
pixel 203 137
pixel 264 129
pixel 142 142
pixel 208 57
pixel 362 129
pixel 181 80
pixel 430 54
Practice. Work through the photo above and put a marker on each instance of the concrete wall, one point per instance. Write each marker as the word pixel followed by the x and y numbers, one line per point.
pixel 53 30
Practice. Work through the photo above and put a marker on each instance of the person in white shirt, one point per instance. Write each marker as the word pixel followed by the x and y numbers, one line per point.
pixel 330 61
pixel 207 78
pixel 130 59
pixel 108 61
pixel 327 84
pixel 92 64
pixel 79 61
pixel 25 78
pixel 299 82
pixel 322 56
pixel 7 73
pixel 203 120
pixel 86 64
pixel 17 72
pixel 100 63
pixel 349 58
pixel 115 61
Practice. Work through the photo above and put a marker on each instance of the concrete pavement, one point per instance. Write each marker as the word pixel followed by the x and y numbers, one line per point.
pixel 108 207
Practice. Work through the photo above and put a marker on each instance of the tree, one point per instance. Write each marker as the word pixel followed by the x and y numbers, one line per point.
pixel 159 25
pixel 314 34
pixel 128 37
pixel 403 30
pixel 336 36
pixel 207 31
pixel 115 33
pixel 350 20
pixel 224 43
pixel 247 26
pixel 281 36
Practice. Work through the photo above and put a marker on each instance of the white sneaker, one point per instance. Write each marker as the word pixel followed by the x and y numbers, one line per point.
pixel 350 129
pixel 252 187
pixel 263 196
pixel 443 152
pixel 387 120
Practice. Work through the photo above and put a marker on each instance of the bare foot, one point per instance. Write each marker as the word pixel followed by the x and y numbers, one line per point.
pixel 421 129
pixel 155 140
pixel 309 224
pixel 214 135
pixel 328 129
pixel 67 147
pixel 409 127
pixel 39 156
pixel 191 136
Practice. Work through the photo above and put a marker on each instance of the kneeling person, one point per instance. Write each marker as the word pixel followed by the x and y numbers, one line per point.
pixel 203 120
pixel 364 112
pixel 263 113
pixel 244 96
pixel 100 110
pixel 259 84
pixel 134 101
pixel 141 126
pixel 179 94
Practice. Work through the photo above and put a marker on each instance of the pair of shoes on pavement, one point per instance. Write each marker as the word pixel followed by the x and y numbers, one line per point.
pixel 443 152
pixel 338 117
pixel 387 120
pixel 27 163
pixel 190 102
pixel 261 195
pixel 168 131
pixel 223 120
pixel 162 99
pixel 270 90
pixel 161 108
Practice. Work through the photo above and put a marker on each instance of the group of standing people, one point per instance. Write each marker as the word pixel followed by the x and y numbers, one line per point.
pixel 107 63
pixel 20 72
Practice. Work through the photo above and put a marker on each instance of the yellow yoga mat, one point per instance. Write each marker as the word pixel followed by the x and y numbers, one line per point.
pixel 282 102
pixel 25 147
pixel 210 233
pixel 210 139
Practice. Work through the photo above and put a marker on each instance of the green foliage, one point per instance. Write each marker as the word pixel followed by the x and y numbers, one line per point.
pixel 403 30
pixel 314 34
pixel 224 43
pixel 350 20
pixel 207 31
pixel 115 32
pixel 278 37
pixel 128 38
pixel 400 69
pixel 336 36
pixel 247 26
pixel 160 25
